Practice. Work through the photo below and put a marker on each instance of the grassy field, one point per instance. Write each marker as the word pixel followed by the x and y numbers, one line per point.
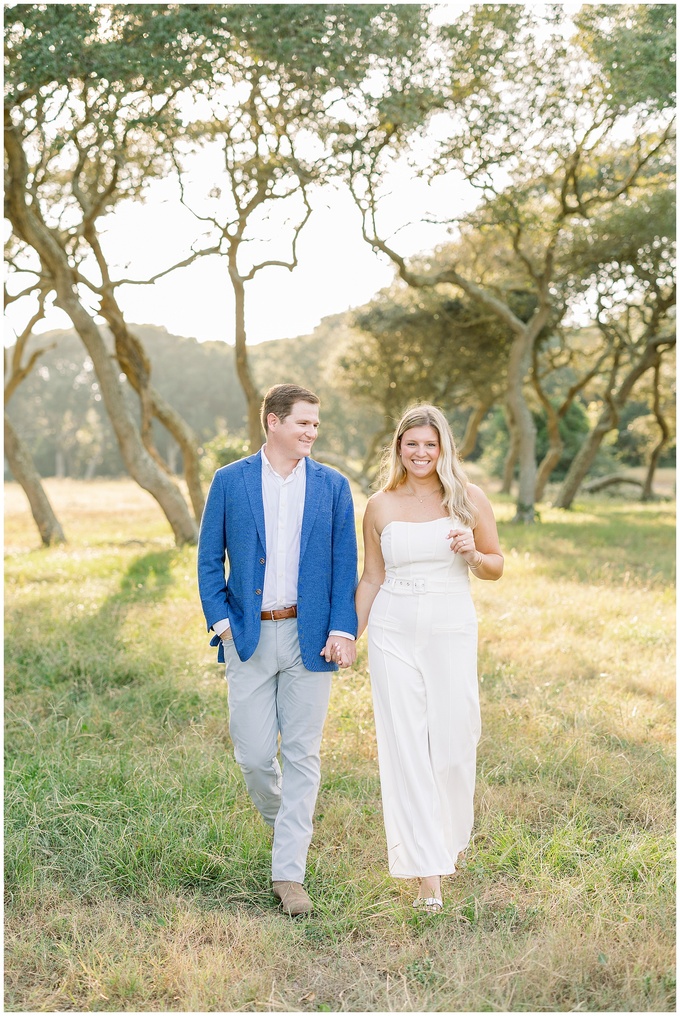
pixel 137 869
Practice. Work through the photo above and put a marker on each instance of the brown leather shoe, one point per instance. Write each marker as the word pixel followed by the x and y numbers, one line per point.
pixel 294 899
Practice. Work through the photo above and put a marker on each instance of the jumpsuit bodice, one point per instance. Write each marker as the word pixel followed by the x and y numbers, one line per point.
pixel 418 557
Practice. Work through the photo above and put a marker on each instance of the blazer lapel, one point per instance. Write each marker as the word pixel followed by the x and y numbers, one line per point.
pixel 252 477
pixel 314 486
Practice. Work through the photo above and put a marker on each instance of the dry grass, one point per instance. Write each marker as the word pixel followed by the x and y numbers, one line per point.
pixel 137 869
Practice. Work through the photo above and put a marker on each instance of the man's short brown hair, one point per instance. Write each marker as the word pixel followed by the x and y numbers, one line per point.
pixel 280 400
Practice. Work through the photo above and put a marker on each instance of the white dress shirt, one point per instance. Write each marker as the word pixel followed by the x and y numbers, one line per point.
pixel 284 504
pixel 283 499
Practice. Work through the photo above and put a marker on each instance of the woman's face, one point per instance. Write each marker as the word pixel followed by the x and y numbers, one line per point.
pixel 419 449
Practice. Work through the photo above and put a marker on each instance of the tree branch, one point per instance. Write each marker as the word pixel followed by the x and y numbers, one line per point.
pixel 290 265
pixel 166 271
pixel 18 372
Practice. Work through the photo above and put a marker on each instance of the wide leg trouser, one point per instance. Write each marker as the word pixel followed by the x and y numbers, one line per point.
pixel 423 664
pixel 274 694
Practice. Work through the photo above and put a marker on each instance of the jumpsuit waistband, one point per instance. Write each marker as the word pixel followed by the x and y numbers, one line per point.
pixel 417 585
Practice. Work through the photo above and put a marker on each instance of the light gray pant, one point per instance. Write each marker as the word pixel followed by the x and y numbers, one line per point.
pixel 273 693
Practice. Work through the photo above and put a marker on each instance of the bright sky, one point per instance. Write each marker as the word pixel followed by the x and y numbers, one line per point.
pixel 336 269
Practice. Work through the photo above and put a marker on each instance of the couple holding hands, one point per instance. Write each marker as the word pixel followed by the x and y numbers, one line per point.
pixel 290 612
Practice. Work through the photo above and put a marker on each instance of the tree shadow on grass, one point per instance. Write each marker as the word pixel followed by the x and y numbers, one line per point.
pixel 147 579
pixel 83 650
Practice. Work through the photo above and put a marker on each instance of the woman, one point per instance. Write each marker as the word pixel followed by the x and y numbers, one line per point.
pixel 422 532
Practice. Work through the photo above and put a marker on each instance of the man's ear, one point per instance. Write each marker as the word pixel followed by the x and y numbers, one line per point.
pixel 272 421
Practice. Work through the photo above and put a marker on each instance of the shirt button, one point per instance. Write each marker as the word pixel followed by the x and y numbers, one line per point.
pixel 261 560
pixel 258 592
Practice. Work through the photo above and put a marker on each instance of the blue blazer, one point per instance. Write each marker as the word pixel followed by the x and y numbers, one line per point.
pixel 233 527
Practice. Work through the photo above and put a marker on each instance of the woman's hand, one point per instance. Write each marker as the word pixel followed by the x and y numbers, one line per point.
pixel 339 650
pixel 463 543
pixel 479 548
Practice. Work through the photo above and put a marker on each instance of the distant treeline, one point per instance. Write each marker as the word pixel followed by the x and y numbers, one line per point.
pixel 60 414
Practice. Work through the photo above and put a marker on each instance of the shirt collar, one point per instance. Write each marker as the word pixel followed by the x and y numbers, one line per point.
pixel 294 472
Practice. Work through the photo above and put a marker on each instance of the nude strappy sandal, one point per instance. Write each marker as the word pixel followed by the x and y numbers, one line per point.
pixel 430 904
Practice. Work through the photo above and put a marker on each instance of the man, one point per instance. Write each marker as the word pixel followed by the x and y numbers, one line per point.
pixel 283 619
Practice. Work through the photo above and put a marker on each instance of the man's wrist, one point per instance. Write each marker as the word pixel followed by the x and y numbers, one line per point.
pixel 342 635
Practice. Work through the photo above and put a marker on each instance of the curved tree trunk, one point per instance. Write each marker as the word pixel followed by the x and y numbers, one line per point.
pixel 555 442
pixel 474 422
pixel 547 465
pixel 648 485
pixel 245 377
pixel 518 368
pixel 141 466
pixel 25 473
pixel 585 456
pixel 553 417
pixel 647 492
pixel 512 453
pixel 135 363
pixel 373 457
pixel 583 460
pixel 187 439
pixel 613 480
pixel 29 226
pixel 554 452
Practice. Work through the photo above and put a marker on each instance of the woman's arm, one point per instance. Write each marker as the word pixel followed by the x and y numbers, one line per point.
pixel 485 559
pixel 373 574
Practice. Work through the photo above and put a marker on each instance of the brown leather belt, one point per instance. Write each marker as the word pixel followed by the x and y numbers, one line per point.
pixel 278 615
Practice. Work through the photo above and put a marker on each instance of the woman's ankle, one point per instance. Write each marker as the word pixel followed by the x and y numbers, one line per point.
pixel 430 886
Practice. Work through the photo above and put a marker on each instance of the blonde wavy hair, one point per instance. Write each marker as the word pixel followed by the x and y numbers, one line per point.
pixel 452 477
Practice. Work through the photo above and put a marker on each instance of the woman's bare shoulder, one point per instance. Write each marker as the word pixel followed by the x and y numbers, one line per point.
pixel 381 499
pixel 379 508
pixel 476 494
pixel 380 496
pixel 479 500
pixel 376 502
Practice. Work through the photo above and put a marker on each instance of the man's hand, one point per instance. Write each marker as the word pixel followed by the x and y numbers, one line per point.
pixel 340 650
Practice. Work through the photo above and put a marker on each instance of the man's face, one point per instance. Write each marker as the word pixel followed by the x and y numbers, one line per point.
pixel 294 436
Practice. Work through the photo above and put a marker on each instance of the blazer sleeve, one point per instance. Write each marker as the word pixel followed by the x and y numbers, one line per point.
pixel 344 564
pixel 212 583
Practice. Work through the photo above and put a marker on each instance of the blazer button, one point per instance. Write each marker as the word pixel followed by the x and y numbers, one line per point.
pixel 258 592
pixel 261 560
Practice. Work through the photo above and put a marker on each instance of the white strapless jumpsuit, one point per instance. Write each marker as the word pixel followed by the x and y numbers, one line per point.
pixel 422 655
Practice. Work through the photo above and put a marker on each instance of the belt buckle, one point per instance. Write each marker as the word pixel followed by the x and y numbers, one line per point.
pixel 419 585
